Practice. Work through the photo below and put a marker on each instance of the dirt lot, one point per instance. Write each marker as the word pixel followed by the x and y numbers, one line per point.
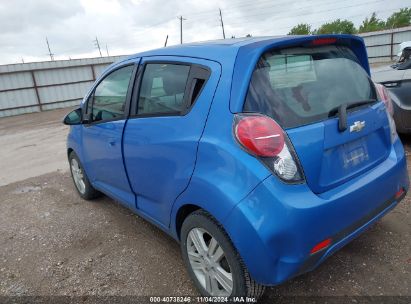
pixel 54 243
pixel 31 145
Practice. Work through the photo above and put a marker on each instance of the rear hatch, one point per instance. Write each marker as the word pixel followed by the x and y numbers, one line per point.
pixel 323 98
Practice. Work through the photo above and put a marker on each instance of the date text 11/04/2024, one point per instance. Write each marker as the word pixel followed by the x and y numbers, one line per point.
pixel 203 299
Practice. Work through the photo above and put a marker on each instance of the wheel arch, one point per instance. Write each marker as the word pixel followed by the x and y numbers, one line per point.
pixel 204 195
pixel 69 150
pixel 185 208
pixel 182 214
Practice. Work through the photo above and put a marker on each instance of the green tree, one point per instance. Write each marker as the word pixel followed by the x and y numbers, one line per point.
pixel 337 27
pixel 399 19
pixel 301 29
pixel 372 24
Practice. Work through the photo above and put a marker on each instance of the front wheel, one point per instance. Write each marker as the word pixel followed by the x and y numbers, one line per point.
pixel 83 186
pixel 212 261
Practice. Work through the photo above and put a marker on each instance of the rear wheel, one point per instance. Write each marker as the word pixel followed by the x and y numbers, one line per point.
pixel 83 186
pixel 212 261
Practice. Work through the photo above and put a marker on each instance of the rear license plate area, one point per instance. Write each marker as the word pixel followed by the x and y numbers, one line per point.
pixel 354 153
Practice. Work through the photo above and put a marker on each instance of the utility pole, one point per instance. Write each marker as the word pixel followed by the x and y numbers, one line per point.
pixel 97 45
pixel 107 50
pixel 222 23
pixel 50 53
pixel 165 43
pixel 181 28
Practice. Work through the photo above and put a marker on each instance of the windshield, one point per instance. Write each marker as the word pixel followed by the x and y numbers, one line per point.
pixel 298 86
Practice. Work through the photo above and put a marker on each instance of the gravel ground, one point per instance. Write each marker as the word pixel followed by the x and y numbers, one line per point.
pixel 54 243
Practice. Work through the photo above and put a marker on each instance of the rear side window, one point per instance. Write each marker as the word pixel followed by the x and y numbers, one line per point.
pixel 162 88
pixel 299 86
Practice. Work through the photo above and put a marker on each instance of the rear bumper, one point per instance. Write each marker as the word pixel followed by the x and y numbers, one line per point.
pixel 276 225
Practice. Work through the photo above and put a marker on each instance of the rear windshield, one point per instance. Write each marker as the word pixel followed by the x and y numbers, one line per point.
pixel 299 86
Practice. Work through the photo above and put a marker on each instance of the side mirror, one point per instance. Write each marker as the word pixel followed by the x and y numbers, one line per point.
pixel 73 118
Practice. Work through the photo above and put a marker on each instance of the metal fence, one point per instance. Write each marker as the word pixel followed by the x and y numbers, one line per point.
pixel 33 87
pixel 383 46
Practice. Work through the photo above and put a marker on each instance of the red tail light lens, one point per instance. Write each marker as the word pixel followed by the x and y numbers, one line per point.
pixel 385 96
pixel 323 41
pixel 320 246
pixel 399 193
pixel 260 135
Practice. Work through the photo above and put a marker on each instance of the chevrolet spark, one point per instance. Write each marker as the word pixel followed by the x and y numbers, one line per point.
pixel 261 156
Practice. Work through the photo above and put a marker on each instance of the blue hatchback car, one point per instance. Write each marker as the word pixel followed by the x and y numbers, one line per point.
pixel 261 156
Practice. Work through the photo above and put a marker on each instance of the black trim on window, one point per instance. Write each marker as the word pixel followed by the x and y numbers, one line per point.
pixel 197 80
pixel 130 89
pixel 197 72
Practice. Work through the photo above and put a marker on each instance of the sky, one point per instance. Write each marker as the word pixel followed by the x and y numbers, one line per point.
pixel 129 26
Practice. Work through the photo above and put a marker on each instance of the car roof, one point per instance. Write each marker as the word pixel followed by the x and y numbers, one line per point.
pixel 222 49
pixel 214 49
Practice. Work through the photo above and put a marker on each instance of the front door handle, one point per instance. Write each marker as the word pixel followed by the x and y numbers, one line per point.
pixel 111 142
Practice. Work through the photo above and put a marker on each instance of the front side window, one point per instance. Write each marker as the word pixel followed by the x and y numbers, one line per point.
pixel 299 86
pixel 110 95
pixel 162 88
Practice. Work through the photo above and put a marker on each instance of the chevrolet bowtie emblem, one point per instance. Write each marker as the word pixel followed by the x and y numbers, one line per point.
pixel 357 126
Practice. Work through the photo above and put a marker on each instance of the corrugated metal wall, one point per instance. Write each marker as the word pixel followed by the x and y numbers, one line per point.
pixel 32 87
pixel 383 46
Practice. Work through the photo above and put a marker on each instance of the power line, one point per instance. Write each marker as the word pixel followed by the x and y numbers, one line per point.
pixel 140 33
pixel 246 19
pixel 143 32
pixel 257 6
pixel 143 35
pixel 305 14
pixel 330 20
pixel 284 12
pixel 242 4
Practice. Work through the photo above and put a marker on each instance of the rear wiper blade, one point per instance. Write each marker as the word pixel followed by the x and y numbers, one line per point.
pixel 350 105
pixel 342 111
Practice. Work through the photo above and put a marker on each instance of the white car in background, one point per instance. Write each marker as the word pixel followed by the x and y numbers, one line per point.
pixel 396 79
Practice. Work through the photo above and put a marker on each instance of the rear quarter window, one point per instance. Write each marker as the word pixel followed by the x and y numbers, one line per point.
pixel 299 86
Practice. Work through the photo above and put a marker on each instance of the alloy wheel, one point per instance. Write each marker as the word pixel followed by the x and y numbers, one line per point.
pixel 78 176
pixel 209 263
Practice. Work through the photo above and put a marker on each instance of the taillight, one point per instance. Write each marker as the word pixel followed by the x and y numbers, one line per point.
pixel 393 128
pixel 385 96
pixel 262 137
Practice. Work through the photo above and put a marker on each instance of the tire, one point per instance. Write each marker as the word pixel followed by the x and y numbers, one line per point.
pixel 210 263
pixel 83 187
